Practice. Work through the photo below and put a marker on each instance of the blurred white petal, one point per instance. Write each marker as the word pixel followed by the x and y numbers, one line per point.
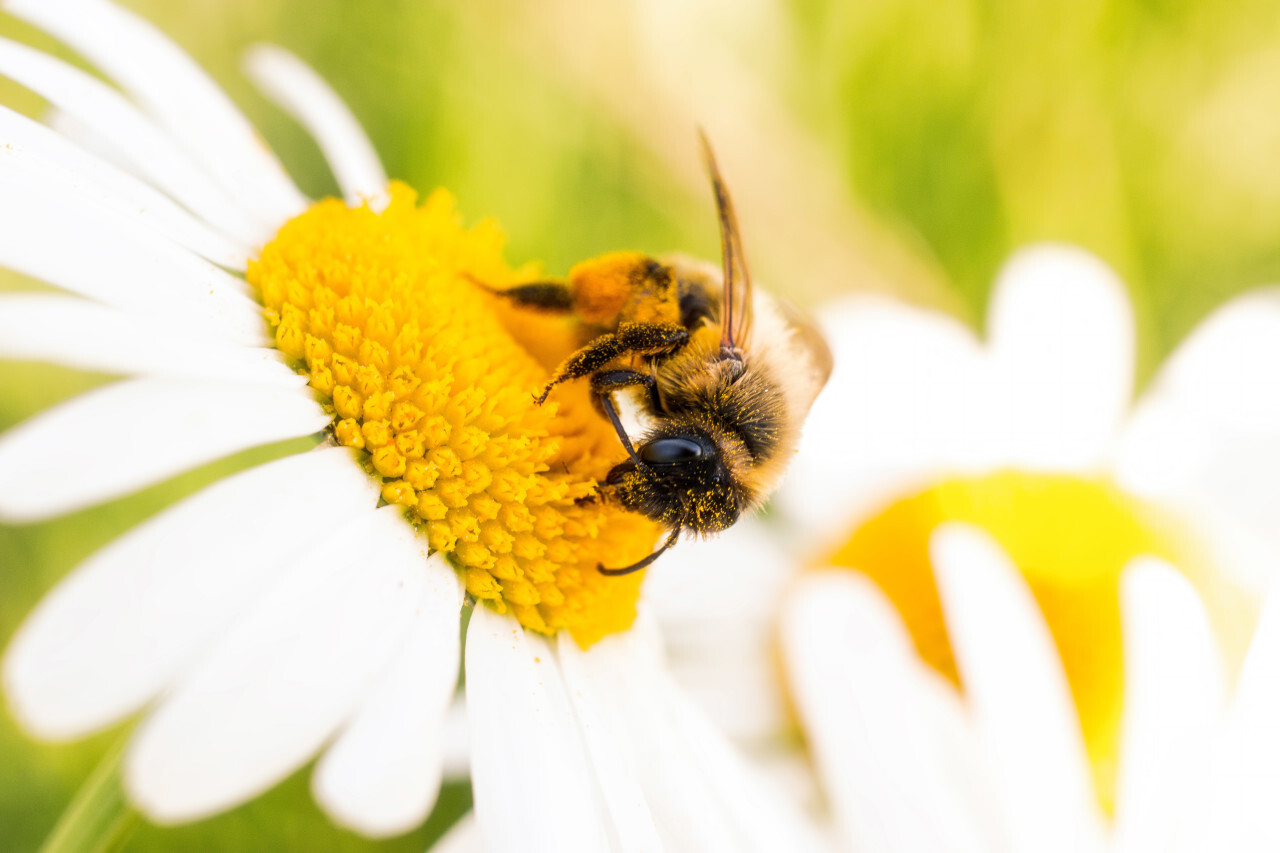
pixel 720 647
pixel 1245 784
pixel 1208 431
pixel 1015 685
pixel 856 680
pixel 124 129
pixel 1230 364
pixel 284 678
pixel 174 89
pixel 701 793
pixel 462 837
pixel 1061 338
pixel 904 401
pixel 1173 699
pixel 303 94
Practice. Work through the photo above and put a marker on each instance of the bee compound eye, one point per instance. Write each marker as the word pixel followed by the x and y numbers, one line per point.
pixel 671 451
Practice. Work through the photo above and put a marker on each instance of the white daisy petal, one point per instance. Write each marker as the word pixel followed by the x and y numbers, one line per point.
pixel 613 764
pixel 854 676
pixel 119 125
pixel 175 90
pixel 456 754
pixel 685 809
pixel 765 818
pixel 77 333
pixel 285 676
pixel 300 92
pixel 1208 433
pixel 51 159
pixel 462 837
pixel 58 238
pixel 702 795
pixel 1246 782
pixel 1229 361
pixel 1015 684
pixel 901 404
pixel 115 631
pixel 118 439
pixel 382 775
pixel 1062 341
pixel 529 772
pixel 961 760
pixel 720 646
pixel 1164 445
pixel 1173 697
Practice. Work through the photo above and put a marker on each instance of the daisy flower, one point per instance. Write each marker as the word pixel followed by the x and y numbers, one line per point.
pixel 908 764
pixel 1027 444
pixel 312 604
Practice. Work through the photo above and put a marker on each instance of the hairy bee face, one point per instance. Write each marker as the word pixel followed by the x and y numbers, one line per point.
pixel 682 483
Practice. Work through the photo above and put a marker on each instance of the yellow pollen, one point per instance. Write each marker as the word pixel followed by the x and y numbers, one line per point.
pixel 1069 536
pixel 434 381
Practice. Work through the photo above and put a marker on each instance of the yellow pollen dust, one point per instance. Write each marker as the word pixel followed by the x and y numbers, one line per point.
pixel 1069 536
pixel 434 381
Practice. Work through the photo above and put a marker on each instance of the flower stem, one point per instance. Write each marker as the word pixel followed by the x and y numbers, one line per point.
pixel 99 819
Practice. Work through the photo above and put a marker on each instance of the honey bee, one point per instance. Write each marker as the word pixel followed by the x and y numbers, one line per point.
pixel 725 375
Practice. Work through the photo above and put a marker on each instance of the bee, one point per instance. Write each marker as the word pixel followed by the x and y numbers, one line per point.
pixel 724 375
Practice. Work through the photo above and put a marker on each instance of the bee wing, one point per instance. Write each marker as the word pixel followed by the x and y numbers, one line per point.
pixel 736 301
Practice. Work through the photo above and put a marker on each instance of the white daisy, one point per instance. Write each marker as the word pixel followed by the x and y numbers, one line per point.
pixel 907 764
pixel 280 612
pixel 1030 440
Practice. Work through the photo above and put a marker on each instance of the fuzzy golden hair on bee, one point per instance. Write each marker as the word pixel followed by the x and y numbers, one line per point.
pixel 724 376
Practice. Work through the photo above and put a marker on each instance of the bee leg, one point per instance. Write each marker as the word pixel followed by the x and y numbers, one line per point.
pixel 585 362
pixel 602 387
pixel 631 338
pixel 652 338
pixel 553 297
pixel 635 567
pixel 606 403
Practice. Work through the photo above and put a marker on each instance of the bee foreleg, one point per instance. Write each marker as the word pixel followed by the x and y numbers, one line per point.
pixel 635 567
pixel 606 382
pixel 631 338
pixel 652 338
pixel 606 404
pixel 584 362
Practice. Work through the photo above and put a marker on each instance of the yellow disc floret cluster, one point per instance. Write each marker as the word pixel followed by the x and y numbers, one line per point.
pixel 434 382
pixel 1069 536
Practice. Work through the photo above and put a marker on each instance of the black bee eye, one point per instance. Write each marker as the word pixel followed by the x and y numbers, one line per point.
pixel 670 451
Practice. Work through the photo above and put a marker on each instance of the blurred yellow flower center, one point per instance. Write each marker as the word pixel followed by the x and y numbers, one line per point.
pixel 1069 536
pixel 379 310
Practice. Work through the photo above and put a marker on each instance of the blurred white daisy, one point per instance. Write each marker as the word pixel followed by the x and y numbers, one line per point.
pixel 1032 441
pixel 280 612
pixel 907 764
pixel 919 399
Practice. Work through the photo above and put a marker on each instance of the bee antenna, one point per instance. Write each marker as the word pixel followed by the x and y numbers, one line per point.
pixel 647 561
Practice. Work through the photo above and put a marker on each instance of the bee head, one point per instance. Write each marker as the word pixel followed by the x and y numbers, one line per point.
pixel 683 481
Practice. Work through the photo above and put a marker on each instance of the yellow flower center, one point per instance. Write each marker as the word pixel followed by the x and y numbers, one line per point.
pixel 1069 536
pixel 435 382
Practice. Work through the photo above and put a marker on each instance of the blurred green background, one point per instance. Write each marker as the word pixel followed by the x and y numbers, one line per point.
pixel 899 146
